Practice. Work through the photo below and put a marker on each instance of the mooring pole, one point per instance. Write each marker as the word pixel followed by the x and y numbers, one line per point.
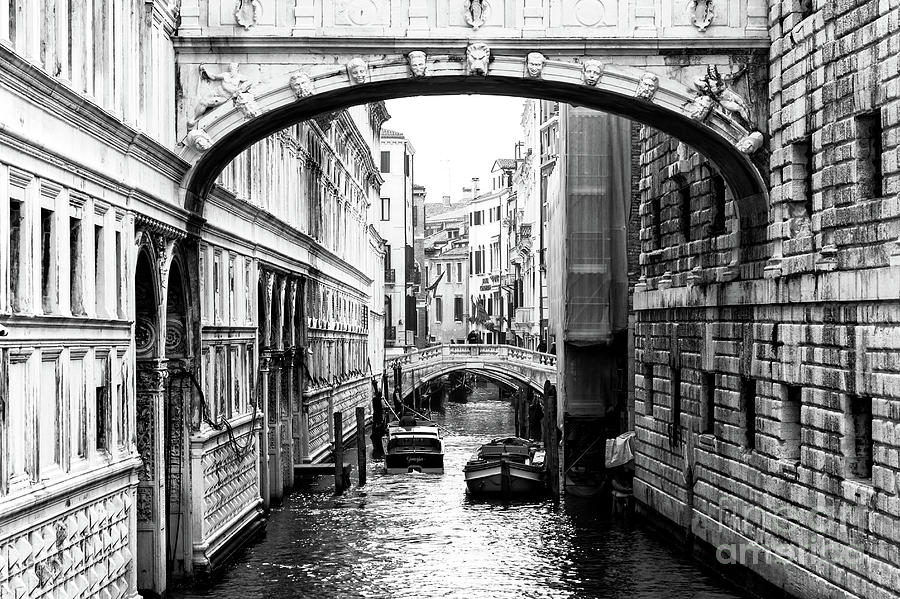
pixel 338 453
pixel 361 444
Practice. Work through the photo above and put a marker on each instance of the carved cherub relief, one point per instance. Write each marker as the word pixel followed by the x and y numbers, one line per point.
pixel 216 89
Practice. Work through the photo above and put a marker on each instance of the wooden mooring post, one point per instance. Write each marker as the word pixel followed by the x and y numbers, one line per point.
pixel 361 444
pixel 338 453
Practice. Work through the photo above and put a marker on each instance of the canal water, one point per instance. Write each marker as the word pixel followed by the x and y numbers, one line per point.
pixel 419 535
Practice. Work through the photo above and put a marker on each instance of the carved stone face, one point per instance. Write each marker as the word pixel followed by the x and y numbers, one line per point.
pixel 358 70
pixel 301 84
pixel 647 86
pixel 198 140
pixel 534 64
pixel 592 70
pixel 478 58
pixel 700 108
pixel 751 143
pixel 417 63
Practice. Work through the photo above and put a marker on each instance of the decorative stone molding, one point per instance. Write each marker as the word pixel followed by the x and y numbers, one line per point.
pixel 478 59
pixel 247 13
pixel 591 72
pixel 750 144
pixel 358 71
pixel 477 12
pixel 534 65
pixel 198 139
pixel 302 85
pixel 702 13
pixel 647 86
pixel 417 63
pixel 216 89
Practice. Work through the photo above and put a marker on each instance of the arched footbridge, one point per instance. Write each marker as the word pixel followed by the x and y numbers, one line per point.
pixel 514 366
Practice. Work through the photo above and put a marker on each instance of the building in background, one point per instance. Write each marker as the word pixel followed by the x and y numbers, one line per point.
pixel 447 270
pixel 487 257
pixel 393 218
pixel 536 158
pixel 417 289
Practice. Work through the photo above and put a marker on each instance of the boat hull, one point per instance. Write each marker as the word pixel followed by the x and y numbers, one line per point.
pixel 503 477
pixel 414 461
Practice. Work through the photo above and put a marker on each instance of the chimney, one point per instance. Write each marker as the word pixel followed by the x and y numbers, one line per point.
pixel 446 201
pixel 475 188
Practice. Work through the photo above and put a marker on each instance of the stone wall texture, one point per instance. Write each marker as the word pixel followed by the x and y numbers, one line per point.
pixel 768 408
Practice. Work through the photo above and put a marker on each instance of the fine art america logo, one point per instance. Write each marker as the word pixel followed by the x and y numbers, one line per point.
pixel 795 534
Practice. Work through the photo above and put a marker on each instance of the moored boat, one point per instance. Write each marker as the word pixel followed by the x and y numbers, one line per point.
pixel 413 445
pixel 508 466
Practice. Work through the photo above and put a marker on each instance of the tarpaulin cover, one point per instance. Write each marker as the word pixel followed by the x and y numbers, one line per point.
pixel 619 450
pixel 598 193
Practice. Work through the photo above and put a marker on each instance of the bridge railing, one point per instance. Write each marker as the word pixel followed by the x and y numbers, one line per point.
pixel 463 352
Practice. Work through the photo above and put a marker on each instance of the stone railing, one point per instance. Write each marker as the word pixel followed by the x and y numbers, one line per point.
pixel 484 353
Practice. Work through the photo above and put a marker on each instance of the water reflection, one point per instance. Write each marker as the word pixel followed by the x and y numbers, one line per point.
pixel 420 535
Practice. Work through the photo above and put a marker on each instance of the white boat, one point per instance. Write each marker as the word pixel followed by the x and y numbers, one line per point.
pixel 509 466
pixel 413 446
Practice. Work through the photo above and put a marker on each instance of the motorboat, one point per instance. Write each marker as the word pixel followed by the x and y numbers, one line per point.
pixel 507 466
pixel 413 445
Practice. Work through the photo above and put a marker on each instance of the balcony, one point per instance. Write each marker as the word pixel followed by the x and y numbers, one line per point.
pixel 524 319
pixel 390 275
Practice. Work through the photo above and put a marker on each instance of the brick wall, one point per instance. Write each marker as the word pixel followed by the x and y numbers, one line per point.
pixel 768 408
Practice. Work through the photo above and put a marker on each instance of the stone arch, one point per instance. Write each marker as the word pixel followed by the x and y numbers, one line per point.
pixel 178 349
pixel 492 372
pixel 225 131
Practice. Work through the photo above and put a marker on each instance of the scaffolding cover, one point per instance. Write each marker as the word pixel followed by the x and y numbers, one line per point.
pixel 598 193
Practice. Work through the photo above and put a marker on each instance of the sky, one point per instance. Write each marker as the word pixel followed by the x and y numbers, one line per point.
pixel 456 138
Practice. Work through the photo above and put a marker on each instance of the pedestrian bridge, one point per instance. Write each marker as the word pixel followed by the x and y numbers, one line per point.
pixel 508 364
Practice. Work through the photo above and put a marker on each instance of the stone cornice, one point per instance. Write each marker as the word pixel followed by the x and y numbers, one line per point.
pixel 129 194
pixel 56 97
pixel 399 42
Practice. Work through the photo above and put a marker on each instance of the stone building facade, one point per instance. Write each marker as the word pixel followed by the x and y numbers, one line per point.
pixel 161 371
pixel 767 408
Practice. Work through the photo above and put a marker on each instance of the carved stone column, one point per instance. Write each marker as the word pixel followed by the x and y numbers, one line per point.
pixel 273 423
pixel 151 510
pixel 286 420
pixel 264 483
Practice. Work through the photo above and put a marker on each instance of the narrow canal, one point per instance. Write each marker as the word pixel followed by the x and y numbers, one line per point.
pixel 421 536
